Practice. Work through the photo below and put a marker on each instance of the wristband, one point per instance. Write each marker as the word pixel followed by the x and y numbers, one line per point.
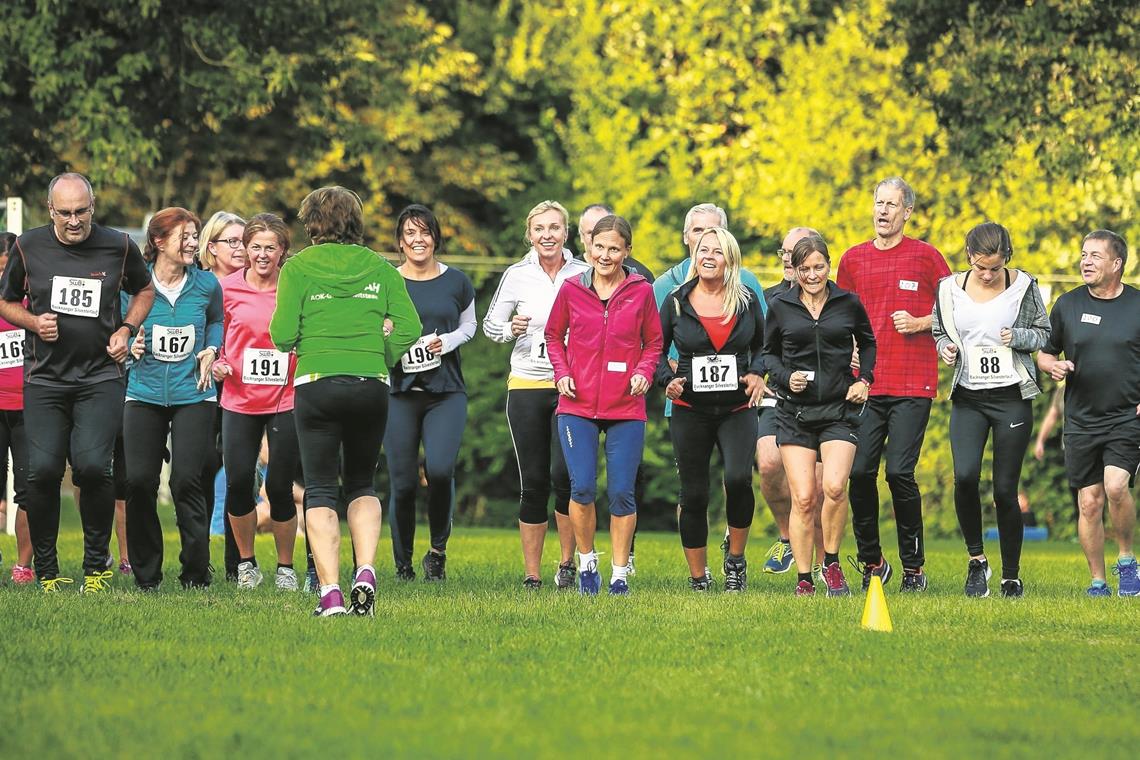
pixel 132 329
pixel 865 381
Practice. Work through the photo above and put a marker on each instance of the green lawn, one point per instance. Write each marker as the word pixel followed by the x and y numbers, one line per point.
pixel 477 667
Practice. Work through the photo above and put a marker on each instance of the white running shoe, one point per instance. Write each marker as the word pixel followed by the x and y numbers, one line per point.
pixel 249 576
pixel 286 579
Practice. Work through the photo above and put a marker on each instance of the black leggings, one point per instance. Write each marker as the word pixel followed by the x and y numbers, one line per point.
pixel 191 431
pixel 12 440
pixel 437 420
pixel 542 468
pixel 241 444
pixel 334 414
pixel 695 434
pixel 973 415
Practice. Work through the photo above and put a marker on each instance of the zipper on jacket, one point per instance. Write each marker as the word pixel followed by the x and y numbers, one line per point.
pixel 818 360
pixel 605 335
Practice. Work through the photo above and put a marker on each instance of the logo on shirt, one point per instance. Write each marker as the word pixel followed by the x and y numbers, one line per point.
pixel 100 275
pixel 370 292
pixel 320 297
pixel 1092 319
pixel 373 287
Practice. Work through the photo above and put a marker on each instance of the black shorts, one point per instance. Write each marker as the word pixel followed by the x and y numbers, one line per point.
pixel 1087 454
pixel 767 425
pixel 791 432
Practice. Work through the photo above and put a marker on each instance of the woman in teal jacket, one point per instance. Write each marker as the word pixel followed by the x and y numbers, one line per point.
pixel 332 302
pixel 170 393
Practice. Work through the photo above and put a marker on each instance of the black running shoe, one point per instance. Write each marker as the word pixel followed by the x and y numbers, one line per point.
pixel 701 584
pixel 435 567
pixel 883 570
pixel 1012 588
pixel 567 573
pixel 530 583
pixel 977 579
pixel 735 573
pixel 914 581
pixel 405 573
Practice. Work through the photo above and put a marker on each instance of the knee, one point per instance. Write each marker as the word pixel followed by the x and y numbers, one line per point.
pixel 91 473
pixel 438 475
pixel 585 493
pixel 835 491
pixel 738 483
pixel 804 505
pixel 622 502
pixel 902 484
pixel 533 514
pixel 769 463
pixel 967 477
pixel 1092 507
pixel 1116 489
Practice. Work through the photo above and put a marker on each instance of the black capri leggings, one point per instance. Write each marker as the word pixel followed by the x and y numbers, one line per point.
pixel 12 440
pixel 542 468
pixel 695 434
pixel 973 415
pixel 338 413
pixel 241 443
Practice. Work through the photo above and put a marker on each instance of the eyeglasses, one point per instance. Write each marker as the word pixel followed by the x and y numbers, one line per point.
pixel 78 213
pixel 234 242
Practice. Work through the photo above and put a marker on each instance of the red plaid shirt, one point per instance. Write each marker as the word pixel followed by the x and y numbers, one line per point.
pixel 904 278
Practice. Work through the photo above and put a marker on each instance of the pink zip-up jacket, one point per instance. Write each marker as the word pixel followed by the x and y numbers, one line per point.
pixel 601 346
pixel 250 353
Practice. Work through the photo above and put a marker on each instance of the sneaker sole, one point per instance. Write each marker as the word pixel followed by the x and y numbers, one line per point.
pixel 331 612
pixel 776 570
pixel 363 600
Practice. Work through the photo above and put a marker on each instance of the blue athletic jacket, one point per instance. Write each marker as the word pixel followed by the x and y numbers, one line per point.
pixel 174 383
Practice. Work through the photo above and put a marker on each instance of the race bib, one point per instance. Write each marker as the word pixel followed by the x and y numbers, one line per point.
pixel 419 358
pixel 78 296
pixel 11 349
pixel 171 344
pixel 910 285
pixel 991 365
pixel 714 373
pixel 538 351
pixel 264 366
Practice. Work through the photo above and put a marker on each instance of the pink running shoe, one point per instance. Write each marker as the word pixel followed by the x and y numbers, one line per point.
pixel 125 568
pixel 22 576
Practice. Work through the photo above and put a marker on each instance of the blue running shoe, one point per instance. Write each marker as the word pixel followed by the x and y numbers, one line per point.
pixel 779 558
pixel 589 581
pixel 1129 582
pixel 619 588
pixel 1099 589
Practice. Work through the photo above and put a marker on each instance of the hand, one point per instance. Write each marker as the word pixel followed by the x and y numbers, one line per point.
pixel 1006 336
pixel 798 382
pixel 1061 369
pixel 1039 449
pixel 858 392
pixel 674 388
pixel 756 388
pixel 138 345
pixel 47 327
pixel 855 360
pixel 566 387
pixel 519 324
pixel 388 326
pixel 117 347
pixel 436 346
pixel 638 385
pixel 220 370
pixel 949 354
pixel 905 323
pixel 205 360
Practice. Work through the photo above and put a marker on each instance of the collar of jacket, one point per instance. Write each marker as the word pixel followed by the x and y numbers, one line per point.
pixel 682 295
pixel 792 294
pixel 532 256
pixel 586 279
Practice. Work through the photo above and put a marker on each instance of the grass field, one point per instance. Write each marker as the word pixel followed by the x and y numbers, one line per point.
pixel 476 667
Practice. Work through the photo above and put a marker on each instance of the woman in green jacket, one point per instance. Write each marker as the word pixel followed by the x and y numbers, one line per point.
pixel 332 301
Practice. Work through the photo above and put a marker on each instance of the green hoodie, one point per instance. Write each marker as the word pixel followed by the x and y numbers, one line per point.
pixel 332 300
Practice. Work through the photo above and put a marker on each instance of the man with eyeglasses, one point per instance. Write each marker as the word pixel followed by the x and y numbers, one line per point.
pixel 70 273
pixel 1097 328
pixel 896 277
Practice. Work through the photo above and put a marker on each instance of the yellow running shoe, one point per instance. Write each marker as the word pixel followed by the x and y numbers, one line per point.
pixel 97 583
pixel 52 585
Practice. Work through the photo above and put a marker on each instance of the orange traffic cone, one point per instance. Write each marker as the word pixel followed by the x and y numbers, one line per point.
pixel 876 616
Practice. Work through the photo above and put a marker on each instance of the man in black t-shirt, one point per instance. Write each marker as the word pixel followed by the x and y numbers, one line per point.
pixel 71 273
pixel 1097 328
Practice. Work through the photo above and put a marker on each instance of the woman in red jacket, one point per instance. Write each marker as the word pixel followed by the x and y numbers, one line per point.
pixel 603 338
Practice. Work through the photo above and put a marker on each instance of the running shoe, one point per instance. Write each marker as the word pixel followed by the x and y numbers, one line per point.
pixel 22 575
pixel 735 573
pixel 589 581
pixel 701 584
pixel 977 579
pixel 97 583
pixel 836 583
pixel 405 573
pixel 779 559
pixel 249 576
pixel 817 575
pixel 630 568
pixel 286 579
pixel 1129 582
pixel 52 585
pixel 914 581
pixel 724 544
pixel 883 570
pixel 125 568
pixel 566 575
pixel 1095 590
pixel 435 566
pixel 619 588
pixel 331 604
pixel 312 585
pixel 530 583
pixel 363 594
pixel 1012 588
pixel 805 588
pixel 109 562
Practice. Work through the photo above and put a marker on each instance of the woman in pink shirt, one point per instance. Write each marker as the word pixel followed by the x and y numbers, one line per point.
pixel 12 441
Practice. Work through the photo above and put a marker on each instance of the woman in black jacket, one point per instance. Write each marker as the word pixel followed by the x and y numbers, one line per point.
pixel 717 325
pixel 807 349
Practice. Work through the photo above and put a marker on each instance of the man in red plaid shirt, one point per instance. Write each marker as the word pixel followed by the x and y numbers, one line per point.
pixel 896 277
